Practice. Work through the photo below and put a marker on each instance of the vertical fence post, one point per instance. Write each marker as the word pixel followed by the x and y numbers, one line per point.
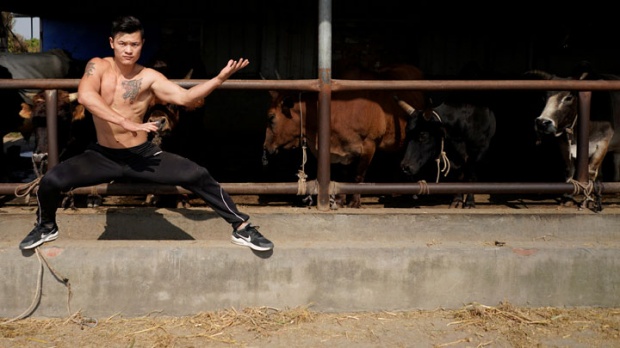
pixel 325 96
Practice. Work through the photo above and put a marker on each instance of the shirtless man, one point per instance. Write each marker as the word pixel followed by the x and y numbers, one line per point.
pixel 117 91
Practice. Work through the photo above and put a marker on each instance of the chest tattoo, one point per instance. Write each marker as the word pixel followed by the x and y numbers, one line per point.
pixel 132 87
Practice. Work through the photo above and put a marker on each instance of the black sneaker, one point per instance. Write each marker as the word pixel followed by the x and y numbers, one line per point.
pixel 250 237
pixel 39 235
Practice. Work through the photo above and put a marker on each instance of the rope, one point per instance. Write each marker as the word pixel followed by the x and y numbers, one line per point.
pixel 76 318
pixel 423 188
pixel 26 189
pixel 301 183
pixel 442 155
pixel 585 189
pixel 446 163
pixel 37 295
pixel 301 174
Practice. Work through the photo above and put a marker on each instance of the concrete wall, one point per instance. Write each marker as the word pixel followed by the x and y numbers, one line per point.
pixel 133 261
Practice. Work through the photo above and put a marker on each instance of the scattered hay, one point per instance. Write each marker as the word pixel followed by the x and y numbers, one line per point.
pixel 474 325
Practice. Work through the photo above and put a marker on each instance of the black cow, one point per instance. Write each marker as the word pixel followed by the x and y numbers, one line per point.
pixel 453 138
pixel 558 119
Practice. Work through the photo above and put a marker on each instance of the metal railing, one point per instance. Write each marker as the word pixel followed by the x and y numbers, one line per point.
pixel 328 187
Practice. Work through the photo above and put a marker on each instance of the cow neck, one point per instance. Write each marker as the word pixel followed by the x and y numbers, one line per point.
pixel 570 134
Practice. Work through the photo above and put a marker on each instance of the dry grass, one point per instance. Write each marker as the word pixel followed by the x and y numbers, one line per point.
pixel 474 325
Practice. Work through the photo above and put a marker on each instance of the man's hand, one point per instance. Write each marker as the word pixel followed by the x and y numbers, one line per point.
pixel 135 127
pixel 232 67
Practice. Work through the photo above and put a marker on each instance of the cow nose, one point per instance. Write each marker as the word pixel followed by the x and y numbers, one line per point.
pixel 406 169
pixel 161 123
pixel 544 125
pixel 265 160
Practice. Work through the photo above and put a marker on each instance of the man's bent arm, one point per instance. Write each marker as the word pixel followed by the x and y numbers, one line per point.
pixel 165 90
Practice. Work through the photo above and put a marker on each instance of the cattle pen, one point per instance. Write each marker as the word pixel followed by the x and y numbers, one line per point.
pixel 323 186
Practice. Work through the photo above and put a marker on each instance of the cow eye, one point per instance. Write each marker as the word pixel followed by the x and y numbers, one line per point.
pixel 569 98
pixel 271 119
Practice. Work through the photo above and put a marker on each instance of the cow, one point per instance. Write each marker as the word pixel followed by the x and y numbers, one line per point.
pixel 362 123
pixel 557 122
pixel 450 140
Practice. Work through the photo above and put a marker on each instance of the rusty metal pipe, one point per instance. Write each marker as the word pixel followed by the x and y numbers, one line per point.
pixel 51 115
pixel 121 189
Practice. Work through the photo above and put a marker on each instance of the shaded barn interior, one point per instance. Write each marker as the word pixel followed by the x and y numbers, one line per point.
pixel 281 39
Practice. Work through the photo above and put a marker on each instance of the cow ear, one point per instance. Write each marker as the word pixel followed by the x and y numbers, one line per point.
pixel 78 113
pixel 273 95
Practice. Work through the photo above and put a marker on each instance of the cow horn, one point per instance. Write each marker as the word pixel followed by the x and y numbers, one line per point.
pixel 73 96
pixel 30 96
pixel 189 74
pixel 405 106
pixel 278 75
pixel 539 73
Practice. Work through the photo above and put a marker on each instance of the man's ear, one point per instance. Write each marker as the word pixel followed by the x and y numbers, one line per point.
pixel 111 42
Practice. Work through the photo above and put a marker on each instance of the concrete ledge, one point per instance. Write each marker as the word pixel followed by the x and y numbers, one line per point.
pixel 137 260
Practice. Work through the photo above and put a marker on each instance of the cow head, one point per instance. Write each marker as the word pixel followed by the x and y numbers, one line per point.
pixel 285 129
pixel 424 142
pixel 166 114
pixel 561 108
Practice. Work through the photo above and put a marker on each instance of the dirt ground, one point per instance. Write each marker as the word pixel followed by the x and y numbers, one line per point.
pixel 474 325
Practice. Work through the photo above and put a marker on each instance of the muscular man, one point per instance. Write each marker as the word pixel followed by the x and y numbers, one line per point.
pixel 117 91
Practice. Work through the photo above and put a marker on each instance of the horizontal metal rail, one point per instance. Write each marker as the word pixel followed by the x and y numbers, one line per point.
pixel 310 187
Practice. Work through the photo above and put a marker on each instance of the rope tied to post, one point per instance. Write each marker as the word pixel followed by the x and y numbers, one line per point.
pixel 581 188
pixel 423 188
pixel 39 162
pixel 301 174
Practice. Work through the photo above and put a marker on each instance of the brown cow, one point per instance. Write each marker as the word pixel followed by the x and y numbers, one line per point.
pixel 69 115
pixel 362 122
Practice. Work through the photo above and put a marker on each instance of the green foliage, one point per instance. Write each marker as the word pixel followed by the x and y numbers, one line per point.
pixel 16 42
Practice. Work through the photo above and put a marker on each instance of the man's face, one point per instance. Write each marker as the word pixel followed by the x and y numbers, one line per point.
pixel 127 47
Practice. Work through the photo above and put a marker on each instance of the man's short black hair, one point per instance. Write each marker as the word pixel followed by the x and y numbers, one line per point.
pixel 126 24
